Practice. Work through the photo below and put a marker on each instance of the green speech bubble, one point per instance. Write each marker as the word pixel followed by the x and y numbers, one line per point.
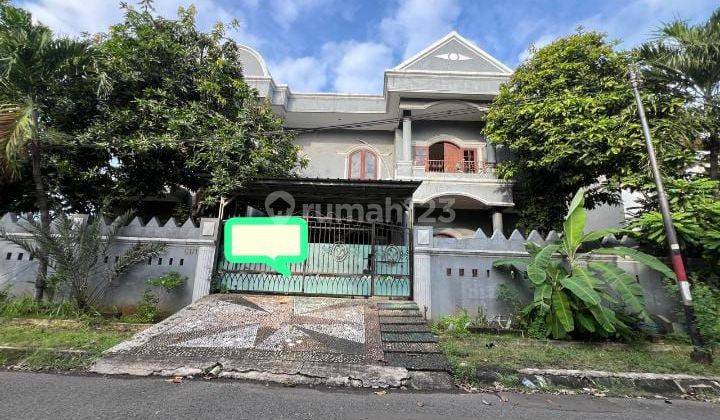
pixel 274 241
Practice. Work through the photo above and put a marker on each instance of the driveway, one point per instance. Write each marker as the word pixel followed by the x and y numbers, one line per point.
pixel 288 339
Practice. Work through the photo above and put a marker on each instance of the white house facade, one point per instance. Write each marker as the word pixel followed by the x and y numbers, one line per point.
pixel 426 127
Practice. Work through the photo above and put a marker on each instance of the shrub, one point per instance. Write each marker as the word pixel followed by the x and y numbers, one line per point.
pixel 706 301
pixel 595 299
pixel 169 281
pixel 458 324
pixel 147 309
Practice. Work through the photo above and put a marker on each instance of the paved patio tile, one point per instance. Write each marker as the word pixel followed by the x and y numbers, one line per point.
pixel 292 339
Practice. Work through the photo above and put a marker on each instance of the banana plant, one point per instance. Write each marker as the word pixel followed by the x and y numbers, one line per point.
pixel 573 295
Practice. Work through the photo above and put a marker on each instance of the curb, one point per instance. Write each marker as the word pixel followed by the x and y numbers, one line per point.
pixel 655 383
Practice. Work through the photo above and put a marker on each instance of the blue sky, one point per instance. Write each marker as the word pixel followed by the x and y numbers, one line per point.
pixel 344 46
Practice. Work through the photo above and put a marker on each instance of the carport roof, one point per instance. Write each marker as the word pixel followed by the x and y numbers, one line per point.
pixel 326 190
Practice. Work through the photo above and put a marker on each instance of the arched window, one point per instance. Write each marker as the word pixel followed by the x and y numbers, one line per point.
pixel 363 164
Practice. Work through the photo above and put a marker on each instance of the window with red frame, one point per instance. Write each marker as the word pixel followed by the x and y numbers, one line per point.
pixel 362 164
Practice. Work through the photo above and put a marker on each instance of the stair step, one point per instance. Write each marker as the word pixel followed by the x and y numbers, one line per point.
pixel 404 328
pixel 418 361
pixel 411 348
pixel 409 337
pixel 402 320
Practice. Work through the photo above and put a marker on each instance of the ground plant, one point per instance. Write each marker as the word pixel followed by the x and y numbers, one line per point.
pixel 83 256
pixel 577 298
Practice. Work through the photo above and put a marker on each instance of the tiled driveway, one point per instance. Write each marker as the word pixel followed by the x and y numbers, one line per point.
pixel 310 340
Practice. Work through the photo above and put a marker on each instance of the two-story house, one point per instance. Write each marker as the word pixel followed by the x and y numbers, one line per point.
pixel 414 154
pixel 426 126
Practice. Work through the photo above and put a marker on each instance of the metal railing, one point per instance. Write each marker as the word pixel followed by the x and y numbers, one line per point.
pixel 457 166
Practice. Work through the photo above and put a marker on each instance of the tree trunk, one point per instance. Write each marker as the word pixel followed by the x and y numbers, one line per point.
pixel 42 205
pixel 714 152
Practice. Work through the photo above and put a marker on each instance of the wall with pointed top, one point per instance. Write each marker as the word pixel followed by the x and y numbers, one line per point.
pixel 190 248
pixel 454 274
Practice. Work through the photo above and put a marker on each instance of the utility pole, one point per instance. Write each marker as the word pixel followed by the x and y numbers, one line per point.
pixel 700 354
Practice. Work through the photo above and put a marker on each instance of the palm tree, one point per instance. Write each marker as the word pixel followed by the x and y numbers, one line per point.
pixel 31 61
pixel 687 58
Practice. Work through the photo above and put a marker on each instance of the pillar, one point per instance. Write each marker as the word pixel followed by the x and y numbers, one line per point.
pixel 407 136
pixel 206 255
pixel 497 221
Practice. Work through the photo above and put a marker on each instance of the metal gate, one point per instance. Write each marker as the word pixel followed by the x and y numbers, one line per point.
pixel 346 258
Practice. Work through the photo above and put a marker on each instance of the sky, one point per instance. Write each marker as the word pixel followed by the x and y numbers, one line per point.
pixel 345 45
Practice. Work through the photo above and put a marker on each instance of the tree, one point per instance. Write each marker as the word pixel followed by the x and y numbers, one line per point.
pixel 179 114
pixel 33 64
pixel 79 254
pixel 687 59
pixel 594 299
pixel 568 115
pixel 696 217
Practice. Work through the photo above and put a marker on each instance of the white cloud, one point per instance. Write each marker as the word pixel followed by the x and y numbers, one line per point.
pixel 361 67
pixel 632 24
pixel 304 74
pixel 636 21
pixel 417 23
pixel 286 12
pixel 73 17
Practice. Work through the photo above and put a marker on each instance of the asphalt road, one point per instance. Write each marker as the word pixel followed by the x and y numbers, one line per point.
pixel 46 396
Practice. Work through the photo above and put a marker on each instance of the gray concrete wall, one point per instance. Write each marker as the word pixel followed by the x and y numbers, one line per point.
pixel 328 151
pixel 190 252
pixel 443 289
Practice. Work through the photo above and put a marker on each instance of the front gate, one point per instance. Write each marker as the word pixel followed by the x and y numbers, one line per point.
pixel 345 258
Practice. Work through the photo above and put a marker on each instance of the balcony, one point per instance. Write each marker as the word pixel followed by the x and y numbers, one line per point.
pixel 454 168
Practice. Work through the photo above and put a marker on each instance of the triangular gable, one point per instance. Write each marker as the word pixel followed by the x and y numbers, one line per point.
pixel 454 53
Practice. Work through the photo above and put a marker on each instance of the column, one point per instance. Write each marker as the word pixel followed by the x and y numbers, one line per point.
pixel 407 136
pixel 404 160
pixel 497 221
pixel 209 230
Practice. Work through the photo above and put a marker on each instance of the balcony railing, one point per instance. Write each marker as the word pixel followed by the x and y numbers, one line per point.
pixel 457 166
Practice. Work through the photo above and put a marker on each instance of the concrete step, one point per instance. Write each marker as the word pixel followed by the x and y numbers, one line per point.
pixel 402 320
pixel 391 347
pixel 409 337
pixel 399 312
pixel 404 328
pixel 418 361
pixel 397 305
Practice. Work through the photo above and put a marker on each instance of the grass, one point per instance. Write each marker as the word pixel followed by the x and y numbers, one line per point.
pixel 469 352
pixel 42 344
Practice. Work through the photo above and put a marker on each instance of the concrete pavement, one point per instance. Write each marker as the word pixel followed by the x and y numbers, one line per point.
pixel 41 396
pixel 289 339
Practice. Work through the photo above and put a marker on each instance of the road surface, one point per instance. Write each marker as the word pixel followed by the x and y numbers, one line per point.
pixel 54 396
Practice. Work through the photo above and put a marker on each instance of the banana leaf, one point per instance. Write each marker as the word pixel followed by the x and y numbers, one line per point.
pixel 604 317
pixel 625 285
pixel 586 322
pixel 561 310
pixel 580 288
pixel 640 257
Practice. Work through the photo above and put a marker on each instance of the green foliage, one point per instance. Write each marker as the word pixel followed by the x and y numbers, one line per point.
pixel 146 311
pixel 696 216
pixel 47 93
pixel 568 114
pixel 706 301
pixel 454 324
pixel 79 254
pixel 27 307
pixel 686 58
pixel 178 113
pixel 569 298
pixel 509 296
pixel 169 281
